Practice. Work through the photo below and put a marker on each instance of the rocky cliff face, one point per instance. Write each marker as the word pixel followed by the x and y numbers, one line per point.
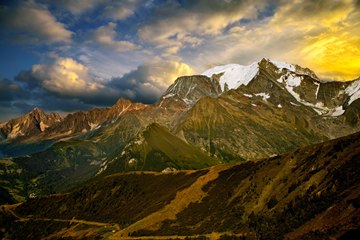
pixel 40 126
pixel 190 89
pixel 31 124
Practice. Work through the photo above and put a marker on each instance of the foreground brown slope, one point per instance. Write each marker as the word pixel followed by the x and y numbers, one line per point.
pixel 312 193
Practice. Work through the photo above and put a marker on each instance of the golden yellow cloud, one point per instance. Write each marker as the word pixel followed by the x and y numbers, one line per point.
pixel 328 36
pixel 334 56
pixel 164 73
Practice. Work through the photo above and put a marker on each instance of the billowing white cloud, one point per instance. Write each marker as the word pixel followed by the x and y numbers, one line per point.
pixel 106 35
pixel 33 23
pixel 65 76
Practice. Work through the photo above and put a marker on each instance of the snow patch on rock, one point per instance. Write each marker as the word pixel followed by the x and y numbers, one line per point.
pixel 265 96
pixel 169 169
pixel 43 126
pixel 132 161
pixel 317 89
pixel 168 95
pixel 294 104
pixel 353 90
pixel 293 80
pixel 93 125
pixel 285 65
pixel 15 132
pixel 337 112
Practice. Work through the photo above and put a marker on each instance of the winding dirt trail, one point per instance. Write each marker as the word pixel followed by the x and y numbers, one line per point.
pixel 9 209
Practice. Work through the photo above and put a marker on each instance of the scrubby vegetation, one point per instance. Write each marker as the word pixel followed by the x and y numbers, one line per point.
pixel 298 195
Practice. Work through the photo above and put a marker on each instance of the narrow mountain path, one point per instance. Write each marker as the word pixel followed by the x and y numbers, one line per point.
pixel 192 194
pixel 9 209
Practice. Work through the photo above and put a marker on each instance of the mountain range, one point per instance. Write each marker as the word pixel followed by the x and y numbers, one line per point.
pixel 311 193
pixel 264 151
pixel 228 114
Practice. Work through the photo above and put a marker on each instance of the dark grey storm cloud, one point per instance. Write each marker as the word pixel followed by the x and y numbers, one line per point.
pixel 138 85
pixel 10 90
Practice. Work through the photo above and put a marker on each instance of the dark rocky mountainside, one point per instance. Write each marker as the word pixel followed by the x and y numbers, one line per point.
pixel 312 193
pixel 190 89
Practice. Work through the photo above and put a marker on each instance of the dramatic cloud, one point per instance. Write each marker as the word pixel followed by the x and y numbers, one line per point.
pixel 9 90
pixel 10 94
pixel 65 76
pixel 106 36
pixel 320 35
pixel 67 85
pixel 329 43
pixel 32 23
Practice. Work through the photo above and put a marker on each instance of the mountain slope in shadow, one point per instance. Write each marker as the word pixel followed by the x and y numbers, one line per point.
pixel 312 193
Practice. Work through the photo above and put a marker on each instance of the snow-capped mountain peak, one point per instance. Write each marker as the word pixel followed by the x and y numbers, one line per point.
pixel 294 68
pixel 234 75
pixel 301 83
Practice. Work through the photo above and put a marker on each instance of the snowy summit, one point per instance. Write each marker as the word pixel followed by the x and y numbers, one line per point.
pixel 235 75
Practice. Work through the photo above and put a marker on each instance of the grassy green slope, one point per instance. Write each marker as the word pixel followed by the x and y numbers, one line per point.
pixel 157 149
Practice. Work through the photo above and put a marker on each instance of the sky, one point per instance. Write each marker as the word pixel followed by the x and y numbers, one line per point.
pixel 65 56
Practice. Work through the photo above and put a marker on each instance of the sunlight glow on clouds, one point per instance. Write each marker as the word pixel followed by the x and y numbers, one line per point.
pixel 331 42
pixel 321 35
pixel 150 80
pixel 65 76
